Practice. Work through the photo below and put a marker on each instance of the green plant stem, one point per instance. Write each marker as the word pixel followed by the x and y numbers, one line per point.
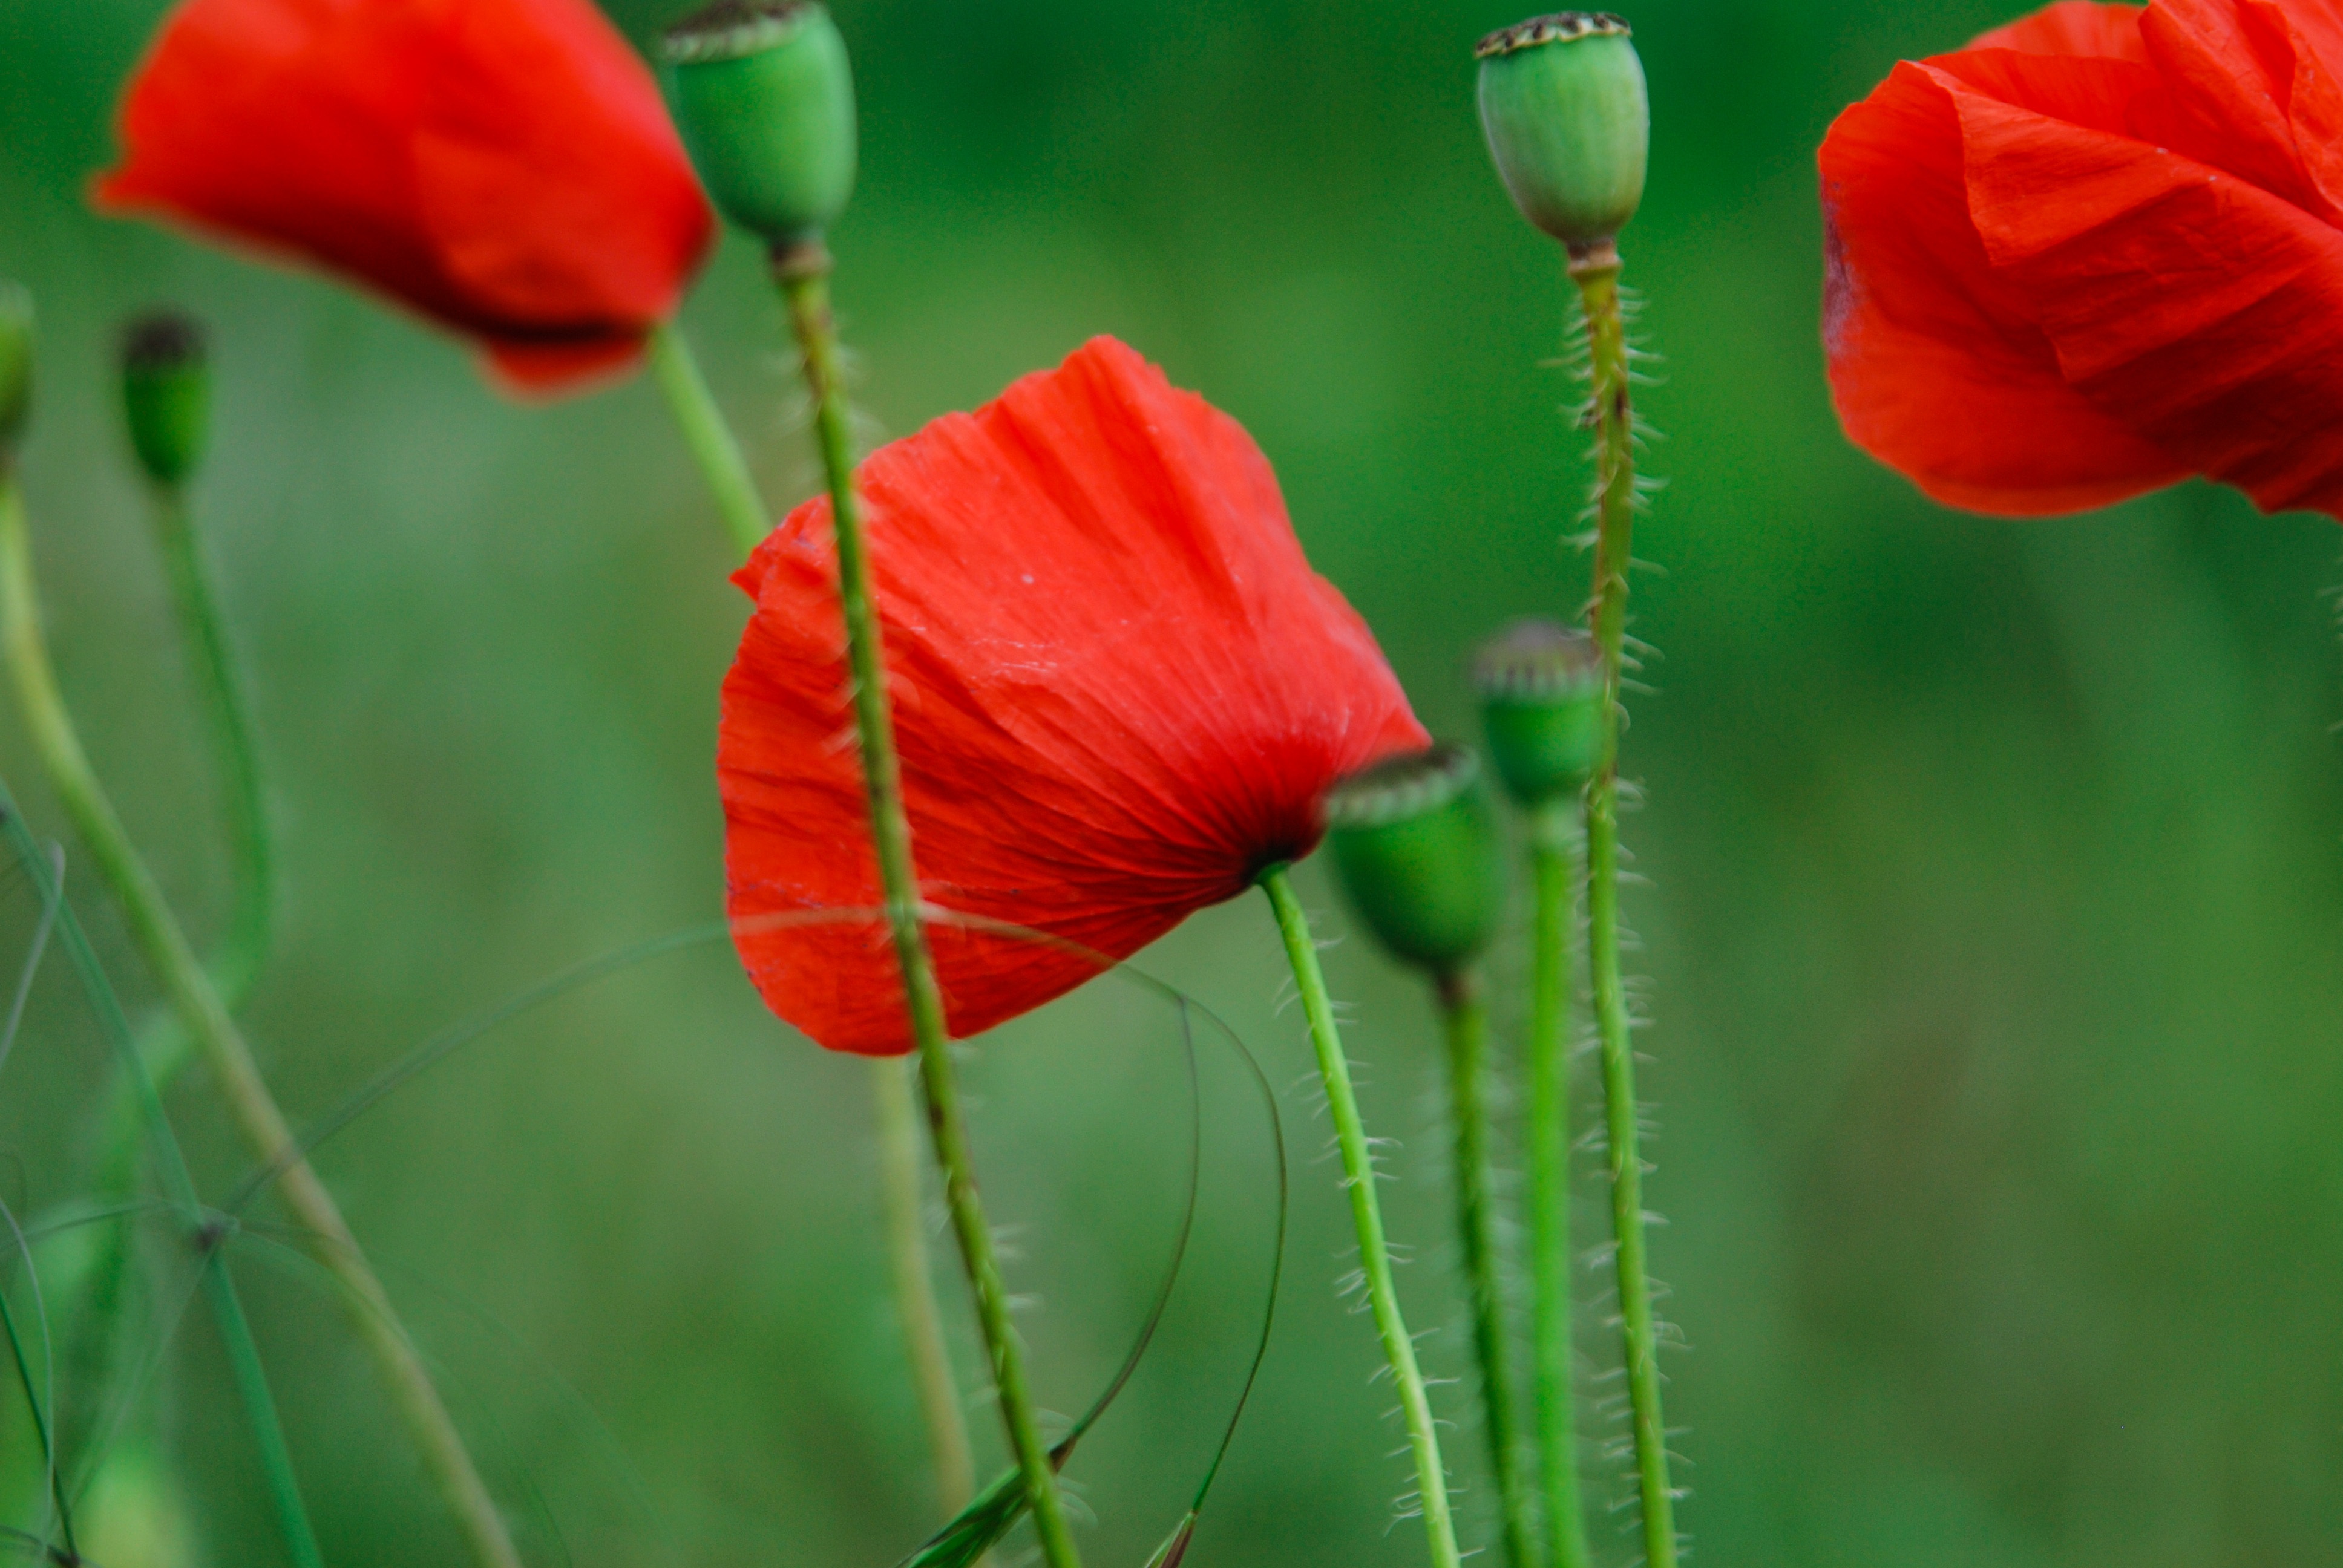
pixel 236 959
pixel 712 445
pixel 252 1387
pixel 1596 273
pixel 803 274
pixel 243 951
pixel 1549 1139
pixel 1466 1012
pixel 1366 1214
pixel 190 989
pixel 897 1113
pixel 746 522
pixel 219 1289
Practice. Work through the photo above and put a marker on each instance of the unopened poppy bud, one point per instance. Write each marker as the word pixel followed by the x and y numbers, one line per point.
pixel 1563 105
pixel 1416 847
pixel 16 365
pixel 765 99
pixel 1541 686
pixel 166 394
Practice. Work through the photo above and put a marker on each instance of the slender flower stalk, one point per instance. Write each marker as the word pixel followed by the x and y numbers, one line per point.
pixel 192 995
pixel 1595 268
pixel 710 438
pixel 1465 1011
pixel 897 1113
pixel 1359 1176
pixel 1552 832
pixel 802 272
pixel 717 451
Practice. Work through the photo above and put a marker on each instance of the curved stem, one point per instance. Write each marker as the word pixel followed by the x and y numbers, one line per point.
pixel 193 997
pixel 803 274
pixel 1596 273
pixel 236 959
pixel 1549 1139
pixel 228 1309
pixel 897 1113
pixel 1366 1214
pixel 710 439
pixel 1466 1012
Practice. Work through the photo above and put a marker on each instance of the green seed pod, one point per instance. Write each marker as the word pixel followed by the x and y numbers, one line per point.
pixel 16 365
pixel 1541 686
pixel 1416 848
pixel 764 96
pixel 1563 105
pixel 166 394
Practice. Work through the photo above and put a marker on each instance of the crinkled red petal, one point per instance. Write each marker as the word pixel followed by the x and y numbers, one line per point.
pixel 1936 366
pixel 504 167
pixel 1118 688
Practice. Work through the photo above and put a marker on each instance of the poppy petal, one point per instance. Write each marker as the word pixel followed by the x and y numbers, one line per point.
pixel 2077 29
pixel 1119 691
pixel 1936 368
pixel 503 168
pixel 2196 309
pixel 2259 84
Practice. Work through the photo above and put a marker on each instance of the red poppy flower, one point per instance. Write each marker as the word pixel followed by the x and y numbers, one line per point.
pixel 2095 252
pixel 1118 692
pixel 505 167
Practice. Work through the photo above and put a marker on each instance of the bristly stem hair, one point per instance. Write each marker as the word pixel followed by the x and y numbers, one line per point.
pixel 190 989
pixel 1594 268
pixel 717 451
pixel 1359 1176
pixel 802 272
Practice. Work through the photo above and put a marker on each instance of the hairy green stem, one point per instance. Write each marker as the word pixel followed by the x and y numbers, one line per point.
pixel 898 1112
pixel 191 994
pixel 710 438
pixel 803 274
pixel 1596 273
pixel 1550 831
pixel 718 453
pixel 1366 1215
pixel 1466 1012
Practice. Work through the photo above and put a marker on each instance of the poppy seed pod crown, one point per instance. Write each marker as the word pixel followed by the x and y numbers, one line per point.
pixel 1541 688
pixel 166 394
pixel 764 96
pixel 1415 840
pixel 16 365
pixel 1563 107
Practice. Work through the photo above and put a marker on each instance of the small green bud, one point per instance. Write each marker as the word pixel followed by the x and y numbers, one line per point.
pixel 1416 848
pixel 1541 686
pixel 16 365
pixel 166 394
pixel 1563 105
pixel 764 96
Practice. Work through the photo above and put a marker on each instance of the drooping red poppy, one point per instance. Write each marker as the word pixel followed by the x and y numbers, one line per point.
pixel 2097 251
pixel 505 167
pixel 1118 692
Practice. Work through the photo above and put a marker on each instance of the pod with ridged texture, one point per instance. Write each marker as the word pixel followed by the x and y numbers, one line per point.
pixel 1541 688
pixel 764 95
pixel 16 365
pixel 1563 106
pixel 166 394
pixel 1415 845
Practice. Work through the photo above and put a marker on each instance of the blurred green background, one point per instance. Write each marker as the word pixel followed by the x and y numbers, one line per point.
pixel 1997 870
